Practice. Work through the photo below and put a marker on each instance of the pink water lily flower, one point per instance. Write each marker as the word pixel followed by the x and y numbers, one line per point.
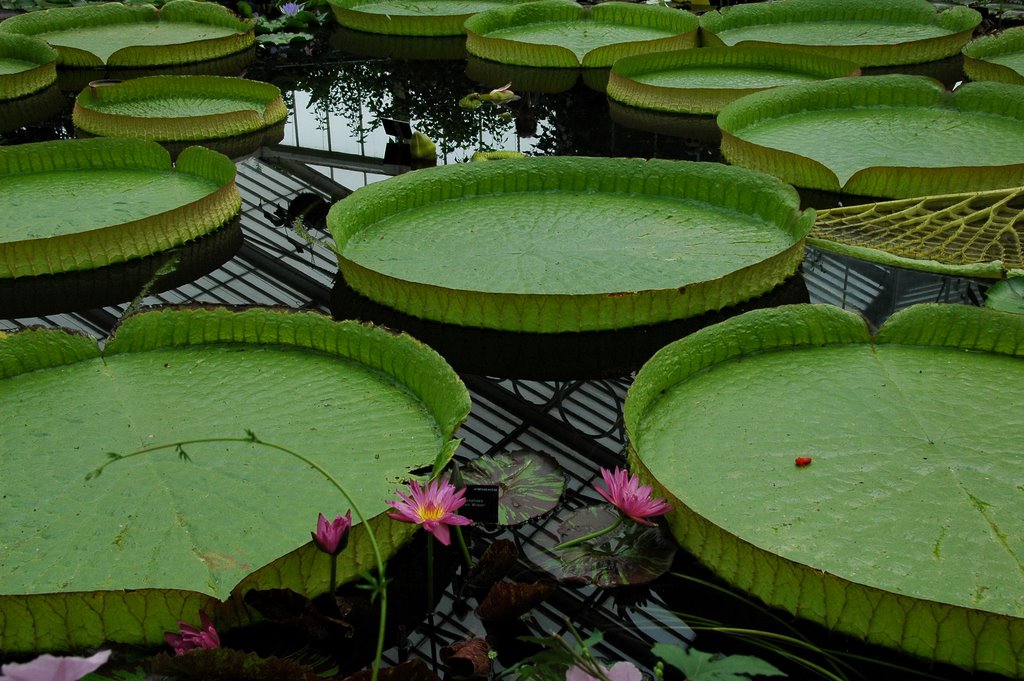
pixel 620 671
pixel 332 536
pixel 633 500
pixel 432 506
pixel 53 668
pixel 191 638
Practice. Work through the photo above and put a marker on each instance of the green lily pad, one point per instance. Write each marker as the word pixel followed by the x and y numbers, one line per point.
pixel 406 48
pixel 530 484
pixel 630 554
pixel 866 32
pixel 893 136
pixel 904 528
pixel 1006 295
pixel 703 81
pixel 635 242
pixel 27 66
pixel 562 34
pixel 121 557
pixel 213 111
pixel 116 35
pixel 412 17
pixel 78 204
pixel 971 234
pixel 997 57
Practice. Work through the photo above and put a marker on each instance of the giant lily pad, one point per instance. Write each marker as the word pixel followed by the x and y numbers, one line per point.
pixel 27 65
pixel 974 234
pixel 703 81
pixel 893 136
pixel 230 115
pixel 562 34
pixel 568 244
pixel 411 17
pixel 997 57
pixel 121 557
pixel 866 32
pixel 78 204
pixel 904 528
pixel 133 36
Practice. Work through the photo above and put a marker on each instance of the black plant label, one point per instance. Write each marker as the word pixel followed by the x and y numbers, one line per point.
pixel 481 504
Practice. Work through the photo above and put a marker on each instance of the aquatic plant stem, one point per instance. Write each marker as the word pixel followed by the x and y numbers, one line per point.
pixel 430 574
pixel 334 573
pixel 250 437
pixel 589 537
pixel 462 545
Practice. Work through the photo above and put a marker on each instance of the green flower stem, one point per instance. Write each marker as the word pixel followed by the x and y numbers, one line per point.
pixel 430 573
pixel 334 573
pixel 251 438
pixel 462 545
pixel 588 537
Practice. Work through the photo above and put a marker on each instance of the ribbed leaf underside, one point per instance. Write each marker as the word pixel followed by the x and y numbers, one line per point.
pixel 181 32
pixel 863 31
pixel 998 57
pixel 79 204
pixel 568 244
pixel 412 17
pixel 155 538
pixel 560 34
pixel 27 65
pixel 703 81
pixel 179 108
pixel 901 136
pixel 902 530
pixel 976 234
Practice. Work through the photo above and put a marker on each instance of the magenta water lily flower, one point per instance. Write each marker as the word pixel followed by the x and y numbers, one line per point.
pixel 620 671
pixel 53 668
pixel 332 536
pixel 191 638
pixel 633 500
pixel 432 506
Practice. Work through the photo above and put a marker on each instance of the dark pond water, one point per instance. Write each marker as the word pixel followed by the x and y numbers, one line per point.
pixel 561 395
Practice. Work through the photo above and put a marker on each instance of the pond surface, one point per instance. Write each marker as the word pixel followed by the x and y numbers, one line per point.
pixel 562 395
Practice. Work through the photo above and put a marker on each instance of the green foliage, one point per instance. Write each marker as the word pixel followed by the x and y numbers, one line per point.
pixel 701 666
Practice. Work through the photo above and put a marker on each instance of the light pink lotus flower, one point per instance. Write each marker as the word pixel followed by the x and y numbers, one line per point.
pixel 191 638
pixel 432 506
pixel 620 671
pixel 631 498
pixel 332 536
pixel 52 668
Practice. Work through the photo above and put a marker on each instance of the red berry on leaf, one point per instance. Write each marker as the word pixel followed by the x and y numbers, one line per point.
pixel 802 461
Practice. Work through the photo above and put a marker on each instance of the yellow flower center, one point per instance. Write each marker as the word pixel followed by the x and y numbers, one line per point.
pixel 431 512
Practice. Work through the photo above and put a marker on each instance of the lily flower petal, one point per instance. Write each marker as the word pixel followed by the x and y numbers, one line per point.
pixel 433 507
pixel 632 499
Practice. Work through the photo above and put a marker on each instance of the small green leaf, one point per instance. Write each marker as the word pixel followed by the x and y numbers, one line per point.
pixel 701 666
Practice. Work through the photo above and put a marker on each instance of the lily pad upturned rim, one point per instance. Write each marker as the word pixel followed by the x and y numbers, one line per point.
pixel 957 634
pixel 507 51
pixel 71 620
pixel 770 200
pixel 33 79
pixel 996 99
pixel 904 236
pixel 977 54
pixel 959 21
pixel 89 114
pixel 140 56
pixel 623 86
pixel 348 15
pixel 119 242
